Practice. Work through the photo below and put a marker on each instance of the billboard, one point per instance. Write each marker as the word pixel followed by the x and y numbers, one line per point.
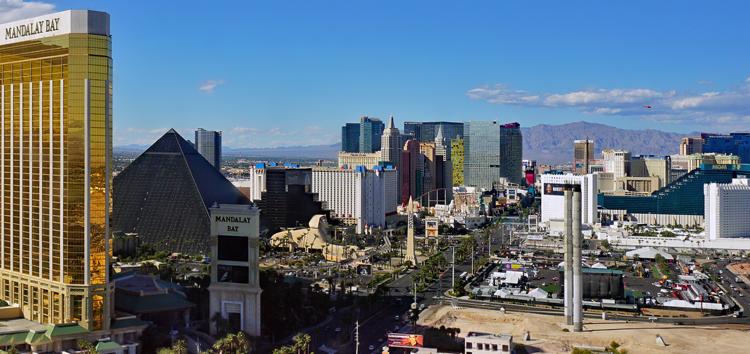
pixel 431 227
pixel 404 340
pixel 554 189
pixel 364 269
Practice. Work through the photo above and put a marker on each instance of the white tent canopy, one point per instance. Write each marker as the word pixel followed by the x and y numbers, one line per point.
pixel 648 253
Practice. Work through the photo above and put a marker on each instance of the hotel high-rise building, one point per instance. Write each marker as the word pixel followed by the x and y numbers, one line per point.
pixel 391 144
pixel 457 158
pixel 511 152
pixel 208 144
pixel 583 153
pixel 689 146
pixel 370 130
pixel 55 162
pixel 350 137
pixel 481 154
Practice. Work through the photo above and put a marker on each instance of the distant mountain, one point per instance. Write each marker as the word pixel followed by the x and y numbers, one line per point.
pixel 309 151
pixel 130 148
pixel 554 143
pixel 544 143
pixel 286 152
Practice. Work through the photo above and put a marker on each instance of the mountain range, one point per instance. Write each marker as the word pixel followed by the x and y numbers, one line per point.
pixel 545 143
pixel 554 143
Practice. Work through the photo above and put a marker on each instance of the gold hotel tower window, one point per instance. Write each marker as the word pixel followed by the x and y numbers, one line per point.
pixel 55 105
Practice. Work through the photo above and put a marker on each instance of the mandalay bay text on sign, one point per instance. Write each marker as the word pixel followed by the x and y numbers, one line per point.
pixel 32 28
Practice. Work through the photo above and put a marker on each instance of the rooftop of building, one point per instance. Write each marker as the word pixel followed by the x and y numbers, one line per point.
pixel 505 337
pixel 140 293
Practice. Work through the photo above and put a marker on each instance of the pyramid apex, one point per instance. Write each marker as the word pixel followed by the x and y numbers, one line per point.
pixel 390 122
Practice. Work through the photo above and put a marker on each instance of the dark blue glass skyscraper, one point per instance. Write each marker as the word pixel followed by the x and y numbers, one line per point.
pixel 208 143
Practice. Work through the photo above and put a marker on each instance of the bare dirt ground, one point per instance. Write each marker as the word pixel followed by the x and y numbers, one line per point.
pixel 547 335
pixel 742 270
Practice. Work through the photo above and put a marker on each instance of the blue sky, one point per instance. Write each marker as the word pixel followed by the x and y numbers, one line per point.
pixel 278 73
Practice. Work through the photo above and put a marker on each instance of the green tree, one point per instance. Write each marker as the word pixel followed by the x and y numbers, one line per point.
pixel 284 350
pixel 179 347
pixel 86 346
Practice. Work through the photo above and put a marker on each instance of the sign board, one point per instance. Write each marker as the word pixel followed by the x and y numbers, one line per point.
pixel 535 237
pixel 232 224
pixel 364 269
pixel 554 189
pixel 431 227
pixel 66 22
pixel 404 340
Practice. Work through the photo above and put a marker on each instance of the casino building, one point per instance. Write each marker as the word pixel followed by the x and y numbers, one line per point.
pixel 55 163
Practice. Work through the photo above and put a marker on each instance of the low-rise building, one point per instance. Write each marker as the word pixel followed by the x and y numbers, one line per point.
pixel 351 160
pixel 486 343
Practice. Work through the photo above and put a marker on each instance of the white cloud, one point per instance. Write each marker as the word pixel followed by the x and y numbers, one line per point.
pixel 720 107
pixel 12 10
pixel 210 85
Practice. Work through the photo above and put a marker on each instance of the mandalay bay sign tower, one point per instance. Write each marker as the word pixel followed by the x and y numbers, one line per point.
pixel 55 156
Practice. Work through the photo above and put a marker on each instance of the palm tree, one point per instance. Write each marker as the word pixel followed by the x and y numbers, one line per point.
pixel 232 343
pixel 302 343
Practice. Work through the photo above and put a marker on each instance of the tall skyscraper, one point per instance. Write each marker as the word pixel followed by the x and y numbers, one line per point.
pixel 56 112
pixel 457 159
pixel 734 143
pixel 583 153
pixel 208 143
pixel 689 146
pixel 350 137
pixel 616 162
pixel 411 178
pixel 370 130
pixel 511 152
pixel 390 144
pixel 481 154
pixel 426 131
pixel 390 152
pixel 492 152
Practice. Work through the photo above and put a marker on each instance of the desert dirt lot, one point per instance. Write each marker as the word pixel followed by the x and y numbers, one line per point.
pixel 547 335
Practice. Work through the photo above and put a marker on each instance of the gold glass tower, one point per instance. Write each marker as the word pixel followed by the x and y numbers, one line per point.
pixel 55 153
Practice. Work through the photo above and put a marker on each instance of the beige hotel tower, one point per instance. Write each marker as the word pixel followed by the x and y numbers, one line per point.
pixel 55 156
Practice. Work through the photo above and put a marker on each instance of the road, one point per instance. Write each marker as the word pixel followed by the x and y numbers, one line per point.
pixel 393 314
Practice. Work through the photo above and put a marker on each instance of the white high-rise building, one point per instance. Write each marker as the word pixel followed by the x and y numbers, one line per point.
pixel 616 162
pixel 358 197
pixel 727 209
pixel 553 199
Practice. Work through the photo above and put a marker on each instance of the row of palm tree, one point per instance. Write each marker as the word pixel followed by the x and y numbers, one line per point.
pixel 300 345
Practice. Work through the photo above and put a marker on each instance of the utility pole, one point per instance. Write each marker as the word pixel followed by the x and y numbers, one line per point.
pixel 356 338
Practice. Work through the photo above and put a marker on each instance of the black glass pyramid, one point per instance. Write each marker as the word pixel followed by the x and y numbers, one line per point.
pixel 165 193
